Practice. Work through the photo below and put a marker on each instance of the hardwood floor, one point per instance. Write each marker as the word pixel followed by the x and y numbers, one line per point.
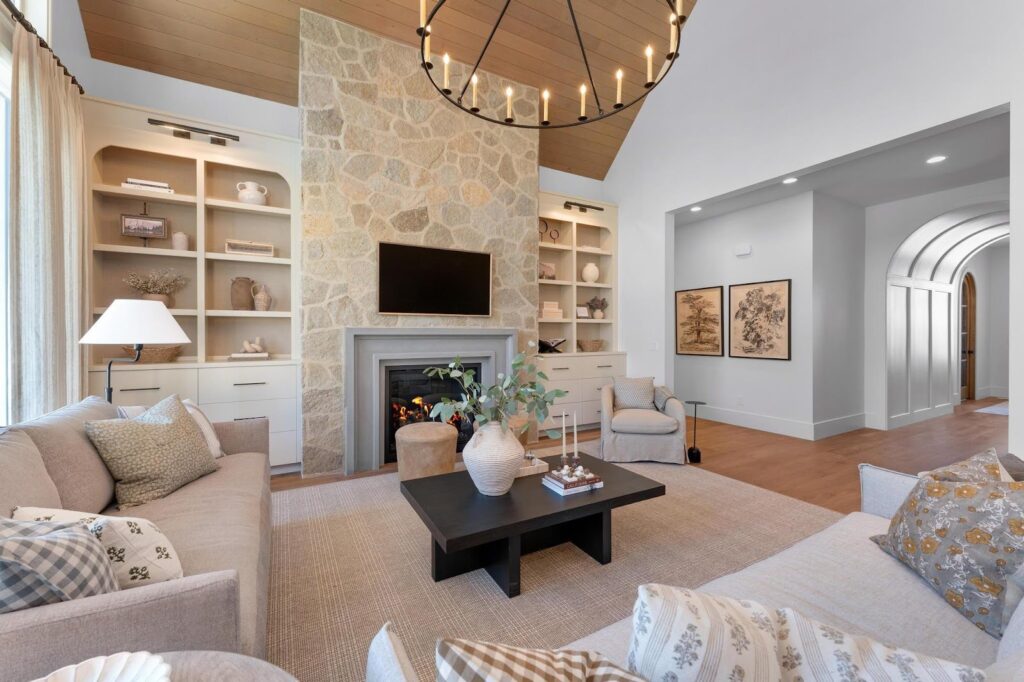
pixel 822 472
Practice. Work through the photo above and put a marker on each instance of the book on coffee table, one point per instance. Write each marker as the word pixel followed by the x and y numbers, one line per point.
pixel 582 488
pixel 567 484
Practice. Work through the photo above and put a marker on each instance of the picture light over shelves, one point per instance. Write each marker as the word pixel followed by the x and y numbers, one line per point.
pixel 185 132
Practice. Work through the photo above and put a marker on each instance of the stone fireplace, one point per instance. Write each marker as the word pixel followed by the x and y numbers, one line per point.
pixel 375 357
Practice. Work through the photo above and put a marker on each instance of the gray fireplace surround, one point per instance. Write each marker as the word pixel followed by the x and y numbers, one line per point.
pixel 369 352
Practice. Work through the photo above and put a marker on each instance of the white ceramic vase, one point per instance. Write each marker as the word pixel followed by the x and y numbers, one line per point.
pixel 493 457
pixel 250 192
pixel 598 314
pixel 590 273
pixel 179 241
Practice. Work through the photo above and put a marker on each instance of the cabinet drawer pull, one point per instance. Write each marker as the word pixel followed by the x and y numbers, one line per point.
pixel 604 366
pixel 559 368
pixel 244 419
pixel 250 383
pixel 130 390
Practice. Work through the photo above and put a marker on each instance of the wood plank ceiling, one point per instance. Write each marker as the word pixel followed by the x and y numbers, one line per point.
pixel 252 46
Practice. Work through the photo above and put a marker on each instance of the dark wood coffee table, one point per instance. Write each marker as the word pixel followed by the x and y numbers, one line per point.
pixel 472 531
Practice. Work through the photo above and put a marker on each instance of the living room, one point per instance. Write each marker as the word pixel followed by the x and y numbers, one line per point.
pixel 467 340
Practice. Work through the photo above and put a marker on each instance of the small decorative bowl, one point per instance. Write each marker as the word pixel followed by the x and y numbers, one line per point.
pixel 590 345
pixel 140 666
pixel 152 354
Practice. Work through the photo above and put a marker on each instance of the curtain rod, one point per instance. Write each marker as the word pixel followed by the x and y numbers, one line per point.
pixel 20 18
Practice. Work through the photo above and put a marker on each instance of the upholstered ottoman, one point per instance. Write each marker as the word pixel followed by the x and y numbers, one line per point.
pixel 425 449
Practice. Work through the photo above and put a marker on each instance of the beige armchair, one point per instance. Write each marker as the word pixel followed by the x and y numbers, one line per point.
pixel 642 435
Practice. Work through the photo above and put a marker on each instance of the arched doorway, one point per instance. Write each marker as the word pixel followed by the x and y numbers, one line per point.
pixel 923 340
pixel 968 337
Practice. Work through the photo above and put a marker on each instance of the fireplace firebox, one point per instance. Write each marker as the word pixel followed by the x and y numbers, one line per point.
pixel 411 395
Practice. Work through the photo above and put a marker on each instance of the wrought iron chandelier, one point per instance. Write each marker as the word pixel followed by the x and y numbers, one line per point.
pixel 588 92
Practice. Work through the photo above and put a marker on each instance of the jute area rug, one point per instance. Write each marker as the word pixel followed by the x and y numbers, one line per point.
pixel 349 556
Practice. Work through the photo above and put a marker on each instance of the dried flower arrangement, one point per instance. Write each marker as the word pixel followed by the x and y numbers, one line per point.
pixel 597 304
pixel 162 282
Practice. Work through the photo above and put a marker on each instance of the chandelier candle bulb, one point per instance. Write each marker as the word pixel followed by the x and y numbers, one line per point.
pixel 508 105
pixel 447 63
pixel 618 88
pixel 545 96
pixel 679 8
pixel 474 80
pixel 423 13
pixel 649 52
pixel 426 48
pixel 583 102
pixel 672 37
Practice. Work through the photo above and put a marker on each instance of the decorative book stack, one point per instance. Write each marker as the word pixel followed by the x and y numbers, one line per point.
pixel 551 311
pixel 577 480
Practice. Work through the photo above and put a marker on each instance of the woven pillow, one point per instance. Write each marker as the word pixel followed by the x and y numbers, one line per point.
pixel 682 635
pixel 45 563
pixel 154 454
pixel 139 553
pixel 460 660
pixel 202 421
pixel 634 394
pixel 966 540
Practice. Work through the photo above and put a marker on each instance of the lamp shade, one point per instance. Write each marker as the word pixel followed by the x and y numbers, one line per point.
pixel 131 321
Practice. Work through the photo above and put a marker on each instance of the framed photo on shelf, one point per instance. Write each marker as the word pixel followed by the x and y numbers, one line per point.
pixel 582 312
pixel 143 226
pixel 699 322
pixel 760 323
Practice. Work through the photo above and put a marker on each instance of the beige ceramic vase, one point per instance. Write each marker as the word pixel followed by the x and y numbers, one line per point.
pixel 241 293
pixel 261 297
pixel 493 457
pixel 166 299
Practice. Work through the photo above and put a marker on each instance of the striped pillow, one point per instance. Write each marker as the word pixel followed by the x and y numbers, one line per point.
pixel 45 563
pixel 634 394
pixel 460 660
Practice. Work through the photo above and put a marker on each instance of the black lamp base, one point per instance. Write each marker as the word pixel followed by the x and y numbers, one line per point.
pixel 693 454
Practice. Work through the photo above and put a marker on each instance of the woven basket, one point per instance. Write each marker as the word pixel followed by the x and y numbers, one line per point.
pixel 154 353
pixel 590 345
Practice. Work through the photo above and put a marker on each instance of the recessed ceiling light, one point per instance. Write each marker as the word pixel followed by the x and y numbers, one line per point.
pixel 789 181
pixel 695 209
pixel 938 158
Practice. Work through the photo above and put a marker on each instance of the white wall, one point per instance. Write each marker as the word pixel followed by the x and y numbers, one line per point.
pixel 560 182
pixel 766 88
pixel 990 269
pixel 838 317
pixel 887 226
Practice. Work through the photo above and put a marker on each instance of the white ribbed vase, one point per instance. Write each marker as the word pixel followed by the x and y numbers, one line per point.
pixel 493 457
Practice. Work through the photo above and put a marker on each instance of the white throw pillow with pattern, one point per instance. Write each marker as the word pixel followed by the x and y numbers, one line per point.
pixel 633 394
pixel 138 552
pixel 682 635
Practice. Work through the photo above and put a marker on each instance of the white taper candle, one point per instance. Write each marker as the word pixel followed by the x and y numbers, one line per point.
pixel 672 35
pixel 563 434
pixel 474 80
pixel 546 96
pixel 650 63
pixel 426 46
pixel 583 101
pixel 575 442
pixel 423 13
pixel 447 62
pixel 508 102
pixel 618 86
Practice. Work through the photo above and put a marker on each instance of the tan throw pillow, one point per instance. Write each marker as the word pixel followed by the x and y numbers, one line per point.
pixel 138 552
pixel 154 454
pixel 634 394
pixel 981 468
pixel 23 476
pixel 966 539
pixel 460 660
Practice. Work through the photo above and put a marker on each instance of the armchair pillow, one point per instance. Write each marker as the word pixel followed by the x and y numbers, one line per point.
pixel 45 563
pixel 460 660
pixel 634 393
pixel 138 552
pixel 154 454
pixel 661 396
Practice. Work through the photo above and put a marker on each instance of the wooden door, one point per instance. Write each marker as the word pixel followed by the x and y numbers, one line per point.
pixel 968 320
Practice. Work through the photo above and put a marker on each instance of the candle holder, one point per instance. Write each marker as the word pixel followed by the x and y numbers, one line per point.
pixel 446 91
pixel 475 110
pixel 649 84
pixel 545 123
pixel 619 105
pixel 671 55
pixel 419 31
pixel 583 118
pixel 510 120
pixel 428 65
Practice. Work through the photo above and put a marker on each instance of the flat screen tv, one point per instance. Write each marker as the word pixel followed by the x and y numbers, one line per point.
pixel 417 280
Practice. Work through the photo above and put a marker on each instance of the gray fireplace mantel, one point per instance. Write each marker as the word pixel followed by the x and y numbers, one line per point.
pixel 370 351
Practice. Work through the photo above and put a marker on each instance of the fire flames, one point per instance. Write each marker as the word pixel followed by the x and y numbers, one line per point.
pixel 419 411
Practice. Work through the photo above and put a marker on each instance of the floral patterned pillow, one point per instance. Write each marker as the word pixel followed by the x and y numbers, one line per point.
pixel 138 552
pixel 966 539
pixel 983 467
pixel 681 635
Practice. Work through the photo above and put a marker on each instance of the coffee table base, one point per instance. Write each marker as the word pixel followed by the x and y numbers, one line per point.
pixel 592 534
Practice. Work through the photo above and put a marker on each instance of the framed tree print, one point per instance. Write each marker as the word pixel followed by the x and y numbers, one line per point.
pixel 759 320
pixel 699 322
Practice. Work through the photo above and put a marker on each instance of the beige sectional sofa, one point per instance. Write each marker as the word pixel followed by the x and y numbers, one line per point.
pixel 219 525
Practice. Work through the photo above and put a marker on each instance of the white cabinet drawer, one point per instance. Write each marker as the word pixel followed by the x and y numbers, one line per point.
pixel 233 384
pixel 590 389
pixel 554 420
pixel 582 367
pixel 280 413
pixel 145 386
pixel 605 366
pixel 570 387
pixel 589 412
pixel 283 448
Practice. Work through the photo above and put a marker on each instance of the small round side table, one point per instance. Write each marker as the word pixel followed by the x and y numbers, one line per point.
pixel 693 454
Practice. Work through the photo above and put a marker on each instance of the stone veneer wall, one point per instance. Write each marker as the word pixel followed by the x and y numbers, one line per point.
pixel 384 158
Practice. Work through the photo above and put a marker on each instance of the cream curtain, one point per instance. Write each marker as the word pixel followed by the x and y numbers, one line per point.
pixel 46 253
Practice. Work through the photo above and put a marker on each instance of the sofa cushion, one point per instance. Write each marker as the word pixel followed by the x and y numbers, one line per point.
pixel 460 660
pixel 222 521
pixel 1013 466
pixel 78 471
pixel 154 454
pixel 647 422
pixel 980 468
pixel 633 393
pixel 840 577
pixel 24 480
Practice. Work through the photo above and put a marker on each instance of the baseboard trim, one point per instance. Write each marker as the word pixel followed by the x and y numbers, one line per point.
pixel 834 427
pixel 899 420
pixel 1002 392
pixel 759 422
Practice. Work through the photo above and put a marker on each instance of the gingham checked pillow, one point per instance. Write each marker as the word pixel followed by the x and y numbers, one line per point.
pixel 460 660
pixel 45 563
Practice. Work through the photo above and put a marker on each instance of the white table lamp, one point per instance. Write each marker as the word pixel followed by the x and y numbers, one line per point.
pixel 133 322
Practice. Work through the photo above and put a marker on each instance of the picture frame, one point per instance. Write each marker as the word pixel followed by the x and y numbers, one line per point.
pixel 143 226
pixel 582 312
pixel 699 322
pixel 760 320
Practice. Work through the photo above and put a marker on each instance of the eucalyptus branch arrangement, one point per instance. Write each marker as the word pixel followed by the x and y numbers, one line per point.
pixel 518 390
pixel 166 282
